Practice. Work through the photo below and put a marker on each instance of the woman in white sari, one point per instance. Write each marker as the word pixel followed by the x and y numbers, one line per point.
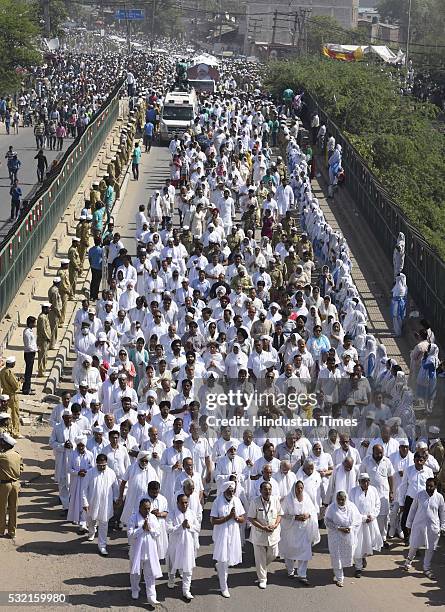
pixel 342 521
pixel 299 531
pixel 226 516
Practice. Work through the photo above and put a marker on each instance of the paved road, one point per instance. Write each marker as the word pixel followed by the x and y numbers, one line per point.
pixel 24 144
pixel 49 555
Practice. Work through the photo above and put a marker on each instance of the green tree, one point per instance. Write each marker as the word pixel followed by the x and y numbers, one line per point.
pixel 19 31
pixel 394 134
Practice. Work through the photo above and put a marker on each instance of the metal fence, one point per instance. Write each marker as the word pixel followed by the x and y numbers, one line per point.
pixel 31 232
pixel 425 271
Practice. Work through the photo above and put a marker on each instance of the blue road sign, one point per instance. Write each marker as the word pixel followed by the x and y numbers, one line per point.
pixel 131 14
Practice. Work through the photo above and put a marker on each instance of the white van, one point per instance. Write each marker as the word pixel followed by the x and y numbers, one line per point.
pixel 178 113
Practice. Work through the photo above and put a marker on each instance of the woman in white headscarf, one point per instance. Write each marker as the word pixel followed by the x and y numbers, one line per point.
pixel 370 356
pixel 124 364
pixel 226 516
pixel 381 359
pixel 358 320
pixel 360 341
pixel 342 521
pixel 398 258
pixel 427 377
pixel 235 360
pixel 399 303
pixel 327 309
pixel 336 334
pixel 299 531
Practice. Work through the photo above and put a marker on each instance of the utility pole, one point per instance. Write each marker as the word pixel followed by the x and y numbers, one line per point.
pixel 296 25
pixel 153 11
pixel 408 34
pixel 128 29
pixel 274 29
pixel 46 18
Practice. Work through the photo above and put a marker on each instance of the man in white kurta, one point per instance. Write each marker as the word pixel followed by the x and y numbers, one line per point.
pixel 285 478
pixel 299 531
pixel 311 480
pixel 381 472
pixel 226 516
pixel 100 491
pixel 367 500
pixel 62 441
pixel 135 480
pixel 159 508
pixel 426 519
pixel 250 452
pixel 80 461
pixel 344 478
pixel 143 532
pixel 171 465
pixel 265 517
pixel 181 525
pixel 230 464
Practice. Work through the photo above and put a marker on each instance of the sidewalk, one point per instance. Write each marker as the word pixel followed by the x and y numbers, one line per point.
pixel 372 272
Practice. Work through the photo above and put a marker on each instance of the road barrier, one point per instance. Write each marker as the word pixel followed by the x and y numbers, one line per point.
pixel 24 242
pixel 424 269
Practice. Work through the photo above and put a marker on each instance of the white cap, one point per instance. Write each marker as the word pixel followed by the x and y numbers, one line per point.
pixel 83 383
pixel 75 239
pixel 57 279
pixel 64 262
pixel 142 411
pixel 434 430
pixel 4 397
pixel 7 438
pixel 364 476
pixel 122 376
pixel 46 305
pixel 10 360
pixel 4 415
pixel 178 437
pixel 66 412
pixel 80 440
pixel 102 337
pixel 152 393
pixel 90 360
pixel 98 429
pixel 403 442
pixel 421 444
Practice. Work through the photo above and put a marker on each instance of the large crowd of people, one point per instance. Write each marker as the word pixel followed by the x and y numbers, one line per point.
pixel 225 358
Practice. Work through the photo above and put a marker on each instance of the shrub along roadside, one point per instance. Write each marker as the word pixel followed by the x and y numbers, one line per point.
pixel 393 133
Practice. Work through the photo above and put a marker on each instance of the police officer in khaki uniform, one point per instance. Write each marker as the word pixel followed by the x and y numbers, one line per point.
pixel 11 466
pixel 5 418
pixel 94 195
pixel 64 289
pixel 10 387
pixel 85 235
pixel 56 309
pixel 43 337
pixel 74 267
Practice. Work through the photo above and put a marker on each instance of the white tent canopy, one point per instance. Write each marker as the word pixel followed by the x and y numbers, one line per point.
pixel 385 54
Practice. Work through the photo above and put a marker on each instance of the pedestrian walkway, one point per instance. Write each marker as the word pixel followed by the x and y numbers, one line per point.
pixel 372 272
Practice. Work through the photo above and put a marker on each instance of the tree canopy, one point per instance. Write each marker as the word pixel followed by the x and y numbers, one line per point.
pixel 393 133
pixel 19 31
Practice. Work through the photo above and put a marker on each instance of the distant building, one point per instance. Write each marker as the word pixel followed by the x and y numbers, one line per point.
pixel 260 17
